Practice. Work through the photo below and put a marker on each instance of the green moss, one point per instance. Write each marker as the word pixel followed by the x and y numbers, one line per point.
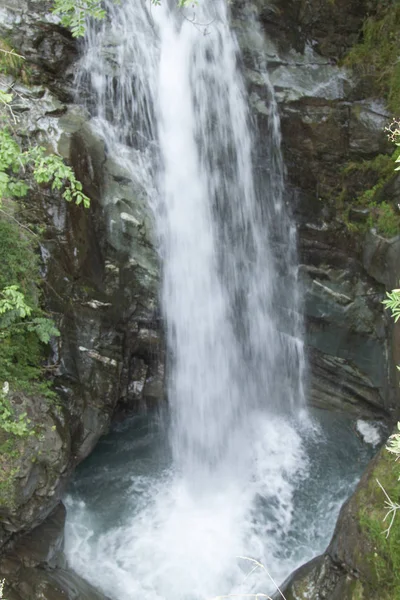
pixel 382 164
pixel 386 219
pixel 7 489
pixel 377 52
pixel 363 185
pixel 358 591
pixel 383 559
pixel 10 453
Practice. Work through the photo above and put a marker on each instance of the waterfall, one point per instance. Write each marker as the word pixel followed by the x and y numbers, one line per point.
pixel 220 289
pixel 167 96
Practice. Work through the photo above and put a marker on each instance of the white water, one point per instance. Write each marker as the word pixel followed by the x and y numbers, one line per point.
pixel 171 89
pixel 370 432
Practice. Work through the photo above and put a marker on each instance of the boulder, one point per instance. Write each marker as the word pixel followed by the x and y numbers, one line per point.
pixel 34 467
pixel 35 567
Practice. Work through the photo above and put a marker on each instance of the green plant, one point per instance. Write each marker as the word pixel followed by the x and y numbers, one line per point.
pixel 11 63
pixel 393 444
pixel 392 303
pixel 384 218
pixel 73 14
pixel 45 168
pixel 24 327
pixel 9 421
pixel 14 310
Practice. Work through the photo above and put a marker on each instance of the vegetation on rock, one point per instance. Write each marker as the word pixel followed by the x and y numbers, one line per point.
pixel 365 186
pixel 378 503
pixel 376 54
pixel 25 329
pixel 383 558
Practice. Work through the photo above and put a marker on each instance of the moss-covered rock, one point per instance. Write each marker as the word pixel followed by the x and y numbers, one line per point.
pixel 33 466
pixel 360 541
pixel 362 561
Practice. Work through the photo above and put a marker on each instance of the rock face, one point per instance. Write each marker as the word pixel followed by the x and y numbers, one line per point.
pixel 328 119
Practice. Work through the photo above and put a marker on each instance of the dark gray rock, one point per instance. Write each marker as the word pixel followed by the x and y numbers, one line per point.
pixel 48 49
pixel 35 567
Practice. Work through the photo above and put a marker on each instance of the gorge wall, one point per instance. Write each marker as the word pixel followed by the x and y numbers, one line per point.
pixel 102 269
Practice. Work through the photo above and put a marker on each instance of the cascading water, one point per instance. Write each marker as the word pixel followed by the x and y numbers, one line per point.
pixel 168 86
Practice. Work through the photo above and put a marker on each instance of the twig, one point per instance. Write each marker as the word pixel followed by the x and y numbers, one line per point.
pixel 392 507
pixel 256 562
pixel 12 53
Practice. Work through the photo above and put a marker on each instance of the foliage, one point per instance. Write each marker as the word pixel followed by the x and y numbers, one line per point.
pixel 377 52
pixel 12 306
pixel 393 444
pixel 384 218
pixel 45 168
pixel 74 14
pixel 393 133
pixel 24 328
pixel 13 309
pixel 363 185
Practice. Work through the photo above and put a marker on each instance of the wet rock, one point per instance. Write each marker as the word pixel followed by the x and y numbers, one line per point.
pixel 347 337
pixel 101 269
pixel 316 580
pixel 337 384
